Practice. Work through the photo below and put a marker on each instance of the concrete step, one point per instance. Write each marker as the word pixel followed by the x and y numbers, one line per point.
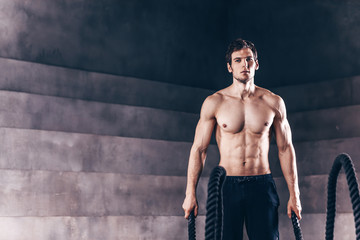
pixel 45 193
pixel 152 228
pixel 95 228
pixel 32 111
pixel 313 226
pixel 59 151
pixel 313 96
pixel 313 194
pixel 317 157
pixel 29 77
pixel 323 124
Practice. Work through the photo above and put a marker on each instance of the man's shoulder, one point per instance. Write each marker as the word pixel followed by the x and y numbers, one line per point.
pixel 215 98
pixel 273 100
pixel 269 96
pixel 212 103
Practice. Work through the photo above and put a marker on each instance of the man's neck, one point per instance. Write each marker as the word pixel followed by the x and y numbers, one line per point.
pixel 244 89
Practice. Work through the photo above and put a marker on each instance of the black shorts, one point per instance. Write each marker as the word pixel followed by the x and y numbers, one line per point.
pixel 253 200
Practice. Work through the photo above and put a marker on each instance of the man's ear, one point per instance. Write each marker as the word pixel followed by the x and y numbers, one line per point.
pixel 257 65
pixel 229 67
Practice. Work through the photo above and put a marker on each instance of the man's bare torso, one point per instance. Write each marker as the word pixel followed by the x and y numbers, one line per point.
pixel 243 131
pixel 243 115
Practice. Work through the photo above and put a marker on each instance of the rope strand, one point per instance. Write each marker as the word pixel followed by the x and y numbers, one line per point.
pixel 214 206
pixel 342 160
pixel 192 226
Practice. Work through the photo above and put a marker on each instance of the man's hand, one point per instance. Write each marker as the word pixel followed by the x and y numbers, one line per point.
pixel 190 203
pixel 295 206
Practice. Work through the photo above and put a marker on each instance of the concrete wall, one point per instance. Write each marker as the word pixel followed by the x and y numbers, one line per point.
pixel 89 155
pixel 86 164
pixel 71 181
pixel 169 41
pixel 299 41
pixel 332 108
pixel 184 42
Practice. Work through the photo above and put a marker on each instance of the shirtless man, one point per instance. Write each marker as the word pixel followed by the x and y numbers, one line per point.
pixel 244 116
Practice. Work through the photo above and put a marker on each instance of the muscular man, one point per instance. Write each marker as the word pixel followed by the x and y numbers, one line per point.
pixel 244 117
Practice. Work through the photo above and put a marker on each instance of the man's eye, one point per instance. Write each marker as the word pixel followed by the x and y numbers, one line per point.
pixel 249 59
pixel 237 60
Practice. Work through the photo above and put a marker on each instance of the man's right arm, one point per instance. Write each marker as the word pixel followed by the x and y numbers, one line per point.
pixel 197 157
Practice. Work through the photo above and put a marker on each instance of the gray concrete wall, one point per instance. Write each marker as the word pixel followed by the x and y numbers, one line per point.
pixel 87 154
pixel 73 161
pixel 169 41
pixel 94 228
pixel 28 77
pixel 299 41
pixel 64 176
pixel 184 42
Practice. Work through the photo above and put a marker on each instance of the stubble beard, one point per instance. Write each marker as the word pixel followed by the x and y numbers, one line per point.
pixel 243 80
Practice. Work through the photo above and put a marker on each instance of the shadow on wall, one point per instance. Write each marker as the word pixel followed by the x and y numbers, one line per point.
pixel 171 41
pixel 300 42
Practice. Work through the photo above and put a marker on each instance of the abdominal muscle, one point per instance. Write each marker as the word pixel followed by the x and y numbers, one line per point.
pixel 244 153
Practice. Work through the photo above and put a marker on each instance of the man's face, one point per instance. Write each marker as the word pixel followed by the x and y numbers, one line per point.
pixel 243 65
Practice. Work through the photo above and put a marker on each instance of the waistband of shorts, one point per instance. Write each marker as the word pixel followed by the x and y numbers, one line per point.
pixel 256 178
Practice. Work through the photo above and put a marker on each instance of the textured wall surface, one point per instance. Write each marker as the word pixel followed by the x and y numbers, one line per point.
pixel 85 154
pixel 300 41
pixel 184 42
pixel 170 41
pixel 74 166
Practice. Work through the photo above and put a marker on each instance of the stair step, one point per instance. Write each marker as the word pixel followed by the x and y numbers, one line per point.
pixel 107 227
pixel 151 227
pixel 317 157
pixel 31 111
pixel 50 80
pixel 313 96
pixel 29 77
pixel 313 194
pixel 313 226
pixel 45 193
pixel 323 124
pixel 60 151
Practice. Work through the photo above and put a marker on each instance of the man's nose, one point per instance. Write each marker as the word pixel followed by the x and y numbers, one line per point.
pixel 245 63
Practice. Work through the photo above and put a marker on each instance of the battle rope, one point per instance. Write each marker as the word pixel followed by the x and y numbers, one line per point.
pixel 296 226
pixel 192 227
pixel 214 210
pixel 343 160
pixel 214 206
pixel 213 228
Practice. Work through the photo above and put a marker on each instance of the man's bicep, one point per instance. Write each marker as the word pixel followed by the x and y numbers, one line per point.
pixel 203 133
pixel 282 133
pixel 282 127
pixel 206 123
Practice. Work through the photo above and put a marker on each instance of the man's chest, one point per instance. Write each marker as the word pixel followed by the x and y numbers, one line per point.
pixel 235 116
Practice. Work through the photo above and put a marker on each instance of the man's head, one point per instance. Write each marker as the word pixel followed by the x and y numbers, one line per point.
pixel 237 45
pixel 241 58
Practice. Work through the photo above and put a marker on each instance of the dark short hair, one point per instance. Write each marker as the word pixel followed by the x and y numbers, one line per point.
pixel 237 45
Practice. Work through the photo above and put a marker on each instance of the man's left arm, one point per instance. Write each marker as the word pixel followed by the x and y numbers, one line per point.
pixel 287 157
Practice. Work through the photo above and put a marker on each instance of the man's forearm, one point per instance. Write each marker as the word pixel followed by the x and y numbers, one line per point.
pixel 196 164
pixel 289 169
